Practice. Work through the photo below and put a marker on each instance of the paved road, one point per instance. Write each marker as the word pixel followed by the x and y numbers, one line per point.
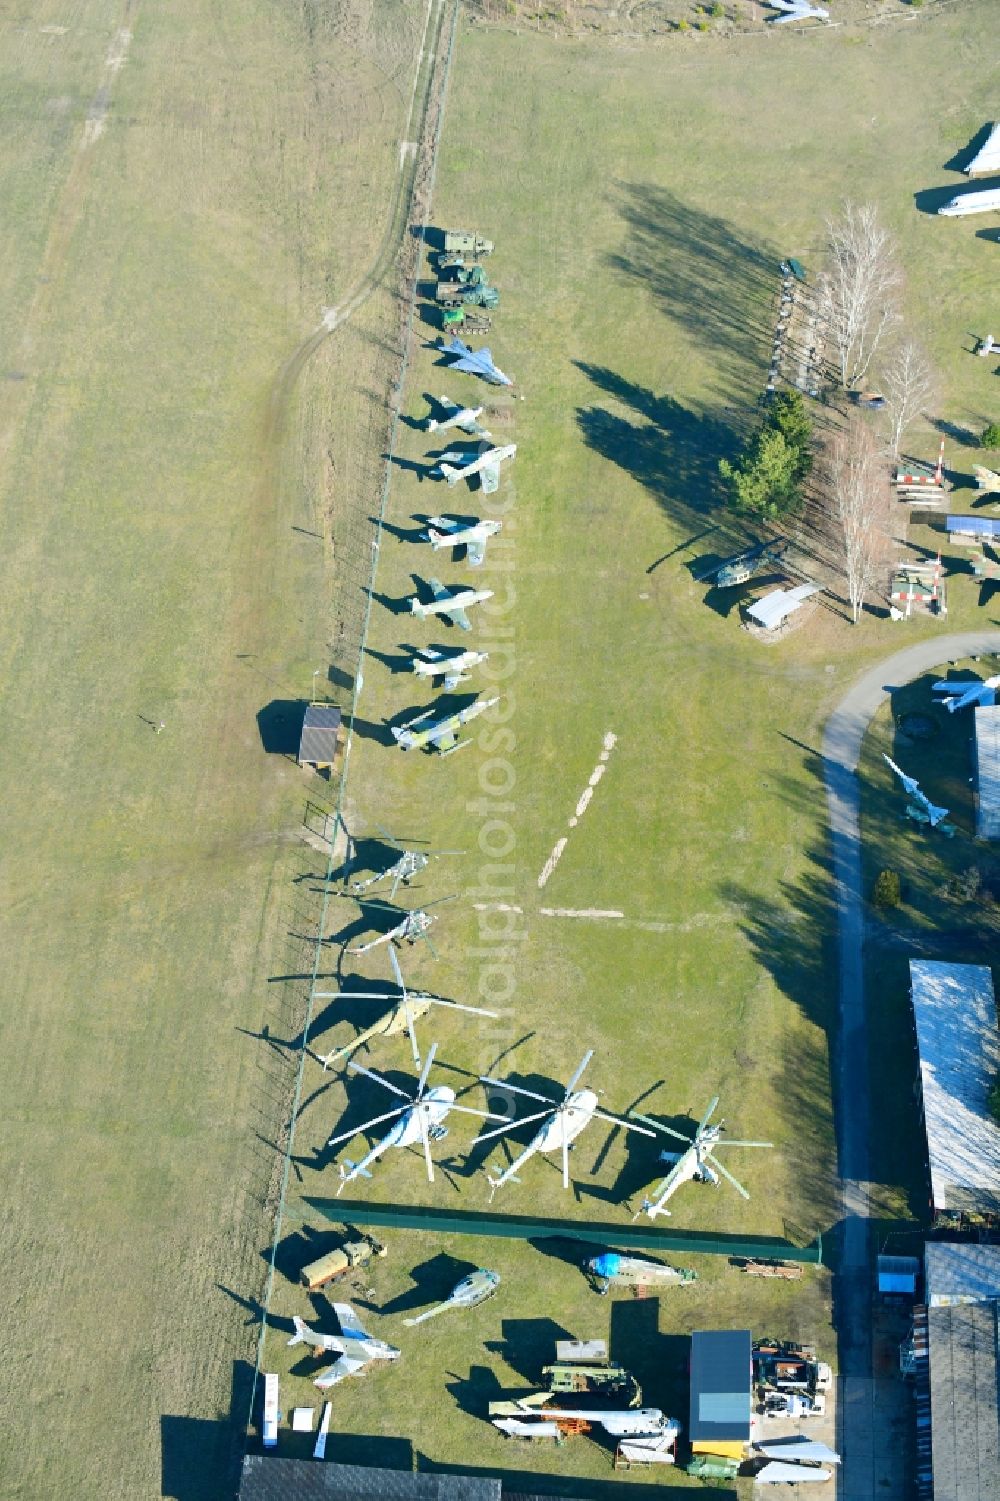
pixel 860 1439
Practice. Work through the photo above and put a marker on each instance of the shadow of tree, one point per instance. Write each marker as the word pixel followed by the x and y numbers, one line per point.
pixel 717 282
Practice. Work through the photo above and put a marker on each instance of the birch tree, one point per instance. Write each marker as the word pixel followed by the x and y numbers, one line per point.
pixel 907 384
pixel 859 489
pixel 858 289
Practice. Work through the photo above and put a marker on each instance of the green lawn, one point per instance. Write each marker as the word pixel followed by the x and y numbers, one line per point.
pixel 153 285
pixel 640 201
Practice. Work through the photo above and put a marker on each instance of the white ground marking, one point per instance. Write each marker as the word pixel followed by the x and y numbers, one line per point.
pixel 595 914
pixel 610 741
pixel 97 113
pixel 495 907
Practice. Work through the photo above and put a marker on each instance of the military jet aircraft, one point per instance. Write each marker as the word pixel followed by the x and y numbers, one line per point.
pixel 441 734
pixel 445 531
pixel 474 362
pixel 964 693
pixel 450 603
pixel 456 416
pixel 355 1348
pixel 485 464
pixel 453 667
pixel 743 565
pixel 797 10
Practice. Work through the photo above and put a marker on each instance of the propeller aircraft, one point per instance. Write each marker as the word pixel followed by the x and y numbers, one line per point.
pixel 355 1348
pixel 563 1121
pixel 444 531
pixel 696 1163
pixel 419 1119
pixel 410 1005
pixel 440 734
pixel 927 810
pixel 453 667
pixel 465 418
pixel 451 604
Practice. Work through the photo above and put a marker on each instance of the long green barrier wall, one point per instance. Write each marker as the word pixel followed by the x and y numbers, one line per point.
pixel 523 1227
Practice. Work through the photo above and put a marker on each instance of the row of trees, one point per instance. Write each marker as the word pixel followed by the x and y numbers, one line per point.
pixel 858 301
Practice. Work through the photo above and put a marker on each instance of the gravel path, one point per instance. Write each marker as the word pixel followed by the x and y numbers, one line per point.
pixel 859 1438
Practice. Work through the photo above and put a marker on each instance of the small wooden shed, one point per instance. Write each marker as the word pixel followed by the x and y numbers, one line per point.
pixel 320 736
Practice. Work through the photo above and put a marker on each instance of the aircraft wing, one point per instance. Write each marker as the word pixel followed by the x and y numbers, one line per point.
pixel 350 1325
pixel 347 1365
pixel 445 740
pixel 460 618
pixel 475 551
pixel 474 429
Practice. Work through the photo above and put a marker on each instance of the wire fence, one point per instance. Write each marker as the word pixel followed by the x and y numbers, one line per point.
pixel 342 649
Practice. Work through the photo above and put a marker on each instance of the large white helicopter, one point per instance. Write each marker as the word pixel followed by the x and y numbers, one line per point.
pixel 419 1119
pixel 564 1120
pixel 695 1163
pixel 410 1004
pixel 355 1348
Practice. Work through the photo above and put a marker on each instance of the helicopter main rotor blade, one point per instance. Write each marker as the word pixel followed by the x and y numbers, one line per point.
pixel 621 1120
pixel 486 1115
pixel 572 1083
pixel 408 1010
pixel 359 1130
pixel 452 898
pixel 401 844
pixel 397 972
pixel 728 1143
pixel 667 1130
pixel 727 1174
pixel 421 1118
pixel 378 1079
pixel 436 1000
pixel 354 995
pixel 565 1158
pixel 525 1119
pixel 516 1089
pixel 426 1069
pixel 708 1114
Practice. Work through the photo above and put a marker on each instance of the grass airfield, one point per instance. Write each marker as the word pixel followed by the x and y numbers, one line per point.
pixel 640 201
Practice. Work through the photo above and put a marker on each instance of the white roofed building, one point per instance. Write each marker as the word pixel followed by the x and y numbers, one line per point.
pixel 954 1014
pixel 987 754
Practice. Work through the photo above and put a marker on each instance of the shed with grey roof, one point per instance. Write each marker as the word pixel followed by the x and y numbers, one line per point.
pixel 987 753
pixel 721 1391
pixel 320 736
pixel 269 1479
pixel 965 1430
pixel 955 1016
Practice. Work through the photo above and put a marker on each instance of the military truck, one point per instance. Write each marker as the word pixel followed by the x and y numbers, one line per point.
pixel 460 317
pixel 451 294
pixel 462 242
pixel 346 1258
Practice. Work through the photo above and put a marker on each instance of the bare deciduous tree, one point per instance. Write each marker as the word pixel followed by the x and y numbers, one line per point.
pixel 859 488
pixel 858 288
pixel 907 384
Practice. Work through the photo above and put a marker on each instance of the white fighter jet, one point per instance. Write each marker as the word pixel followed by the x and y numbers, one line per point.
pixel 451 667
pixel 963 693
pixel 456 416
pixel 444 531
pixel 525 1419
pixel 797 10
pixel 452 604
pixel 485 464
pixel 563 1121
pixel 355 1348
